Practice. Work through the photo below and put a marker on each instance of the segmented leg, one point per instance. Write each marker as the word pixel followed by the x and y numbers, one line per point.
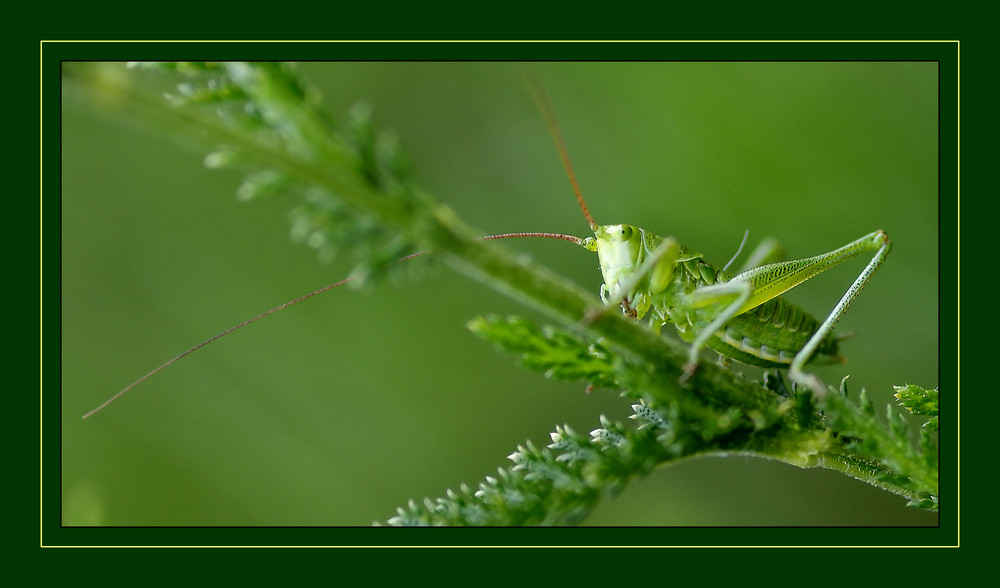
pixel 733 294
pixel 756 286
pixel 878 241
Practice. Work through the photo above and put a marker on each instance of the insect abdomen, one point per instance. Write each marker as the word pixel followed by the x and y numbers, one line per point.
pixel 770 335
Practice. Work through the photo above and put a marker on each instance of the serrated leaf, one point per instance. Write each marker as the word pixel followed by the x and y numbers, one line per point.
pixel 919 401
pixel 556 353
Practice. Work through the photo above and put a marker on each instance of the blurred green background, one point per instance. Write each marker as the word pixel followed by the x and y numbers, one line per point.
pixel 344 407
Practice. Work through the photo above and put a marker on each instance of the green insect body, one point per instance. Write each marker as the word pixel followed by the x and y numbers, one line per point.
pixel 768 335
pixel 771 334
pixel 742 316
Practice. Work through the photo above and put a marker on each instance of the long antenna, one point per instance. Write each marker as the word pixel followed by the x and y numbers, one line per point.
pixel 219 336
pixel 570 238
pixel 542 99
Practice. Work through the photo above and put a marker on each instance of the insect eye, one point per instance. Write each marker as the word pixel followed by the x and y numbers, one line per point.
pixel 626 233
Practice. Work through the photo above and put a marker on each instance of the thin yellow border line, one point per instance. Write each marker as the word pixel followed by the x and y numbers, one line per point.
pixel 958 284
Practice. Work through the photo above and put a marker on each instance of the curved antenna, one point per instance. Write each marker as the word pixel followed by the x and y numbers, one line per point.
pixel 746 234
pixel 171 361
pixel 219 336
pixel 542 99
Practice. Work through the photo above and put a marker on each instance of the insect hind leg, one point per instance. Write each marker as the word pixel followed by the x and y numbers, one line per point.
pixel 878 241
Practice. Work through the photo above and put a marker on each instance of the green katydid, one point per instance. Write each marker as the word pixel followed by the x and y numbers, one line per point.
pixel 741 316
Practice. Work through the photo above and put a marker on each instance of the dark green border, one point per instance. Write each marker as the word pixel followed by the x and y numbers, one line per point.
pixel 945 53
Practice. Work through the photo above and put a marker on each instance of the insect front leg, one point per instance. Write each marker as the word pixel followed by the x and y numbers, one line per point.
pixel 731 296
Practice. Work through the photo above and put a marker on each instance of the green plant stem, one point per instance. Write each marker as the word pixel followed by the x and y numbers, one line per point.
pixel 867 471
